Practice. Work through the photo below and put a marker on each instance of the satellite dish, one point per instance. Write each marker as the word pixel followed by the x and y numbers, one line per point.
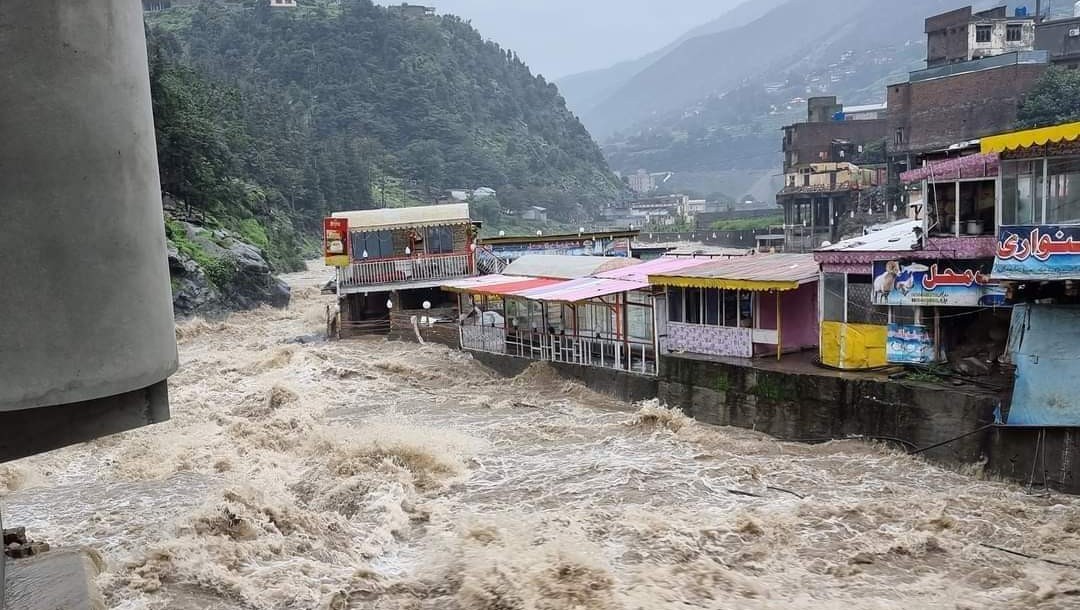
pixel 427 304
pixel 389 304
pixel 502 233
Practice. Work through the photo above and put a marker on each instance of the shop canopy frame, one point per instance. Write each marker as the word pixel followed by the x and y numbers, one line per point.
pixel 780 272
pixel 768 273
pixel 1016 140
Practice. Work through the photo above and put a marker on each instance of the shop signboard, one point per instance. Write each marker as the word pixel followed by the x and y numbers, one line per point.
pixel 336 242
pixel 909 344
pixel 619 247
pixel 939 284
pixel 1043 252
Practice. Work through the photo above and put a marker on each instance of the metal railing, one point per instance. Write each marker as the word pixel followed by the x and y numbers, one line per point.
pixel 487 262
pixel 484 339
pixel 409 269
pixel 630 356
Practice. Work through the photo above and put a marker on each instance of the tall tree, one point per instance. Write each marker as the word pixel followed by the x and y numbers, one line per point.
pixel 1055 99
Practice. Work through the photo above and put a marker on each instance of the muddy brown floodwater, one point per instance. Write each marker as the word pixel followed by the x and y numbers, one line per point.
pixel 298 473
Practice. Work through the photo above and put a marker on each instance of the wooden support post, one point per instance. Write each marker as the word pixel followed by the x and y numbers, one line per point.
pixel 937 334
pixel 779 328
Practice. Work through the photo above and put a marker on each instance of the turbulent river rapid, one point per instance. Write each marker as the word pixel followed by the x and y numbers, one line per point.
pixel 300 473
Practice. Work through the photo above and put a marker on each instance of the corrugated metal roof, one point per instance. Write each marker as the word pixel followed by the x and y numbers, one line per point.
pixel 565 267
pixel 759 272
pixel 640 273
pixel 894 237
pixel 574 291
pixel 516 288
pixel 402 218
pixel 468 284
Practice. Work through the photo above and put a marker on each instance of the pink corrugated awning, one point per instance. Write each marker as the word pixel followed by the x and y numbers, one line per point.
pixel 523 284
pixel 583 289
pixel 971 166
pixel 660 266
pixel 467 284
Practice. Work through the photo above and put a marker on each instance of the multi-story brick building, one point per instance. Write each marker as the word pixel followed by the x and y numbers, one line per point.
pixel 819 187
pixel 962 35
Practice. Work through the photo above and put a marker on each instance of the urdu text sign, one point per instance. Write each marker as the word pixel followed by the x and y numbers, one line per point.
pixel 1042 252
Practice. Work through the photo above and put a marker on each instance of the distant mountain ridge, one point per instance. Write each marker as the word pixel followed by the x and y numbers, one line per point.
pixel 710 107
pixel 584 90
pixel 769 46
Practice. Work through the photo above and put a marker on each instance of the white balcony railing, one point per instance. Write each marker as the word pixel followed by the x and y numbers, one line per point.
pixel 420 268
pixel 630 356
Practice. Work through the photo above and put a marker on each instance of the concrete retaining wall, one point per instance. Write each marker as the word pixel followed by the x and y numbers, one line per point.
pixel 814 407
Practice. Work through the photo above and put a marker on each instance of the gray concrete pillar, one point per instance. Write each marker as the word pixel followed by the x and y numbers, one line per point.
pixel 85 301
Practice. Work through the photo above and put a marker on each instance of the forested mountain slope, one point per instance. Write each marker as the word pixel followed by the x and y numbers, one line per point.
pixel 336 105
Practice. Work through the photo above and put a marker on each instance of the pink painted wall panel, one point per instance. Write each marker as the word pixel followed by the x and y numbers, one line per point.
pixel 798 308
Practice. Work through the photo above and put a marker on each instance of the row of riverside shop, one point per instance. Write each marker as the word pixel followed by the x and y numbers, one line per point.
pixel 919 291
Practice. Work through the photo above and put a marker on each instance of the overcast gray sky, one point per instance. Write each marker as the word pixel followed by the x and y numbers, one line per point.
pixel 561 37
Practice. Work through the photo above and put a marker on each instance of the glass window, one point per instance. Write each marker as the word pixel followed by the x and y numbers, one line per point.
pixel 1063 199
pixel 730 305
pixel 712 307
pixel 440 240
pixel 693 306
pixel 639 321
pixel 859 307
pixel 375 244
pixel 903 315
pixel 1014 32
pixel 1021 192
pixel 983 33
pixel 676 310
pixel 746 309
pixel 834 297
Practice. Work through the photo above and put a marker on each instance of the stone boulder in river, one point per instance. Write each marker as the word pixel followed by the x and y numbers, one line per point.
pixel 214 271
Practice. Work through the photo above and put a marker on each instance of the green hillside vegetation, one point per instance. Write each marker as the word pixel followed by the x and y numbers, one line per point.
pixel 748 224
pixel 269 119
pixel 1054 100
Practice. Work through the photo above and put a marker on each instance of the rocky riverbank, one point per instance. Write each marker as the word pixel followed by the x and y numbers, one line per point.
pixel 214 271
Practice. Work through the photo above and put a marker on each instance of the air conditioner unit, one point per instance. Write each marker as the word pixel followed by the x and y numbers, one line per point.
pixel 1073 33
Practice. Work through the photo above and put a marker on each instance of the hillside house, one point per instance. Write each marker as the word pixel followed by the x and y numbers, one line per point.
pixel 534 213
pixel 412 10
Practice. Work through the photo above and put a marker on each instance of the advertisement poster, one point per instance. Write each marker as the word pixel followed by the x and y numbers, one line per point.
pixel 1038 253
pixel 909 344
pixel 574 247
pixel 336 241
pixel 951 284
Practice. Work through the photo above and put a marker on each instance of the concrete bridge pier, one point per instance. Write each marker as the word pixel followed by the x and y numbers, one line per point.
pixel 86 328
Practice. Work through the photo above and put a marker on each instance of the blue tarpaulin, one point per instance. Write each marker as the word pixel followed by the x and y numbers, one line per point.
pixel 1044 344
